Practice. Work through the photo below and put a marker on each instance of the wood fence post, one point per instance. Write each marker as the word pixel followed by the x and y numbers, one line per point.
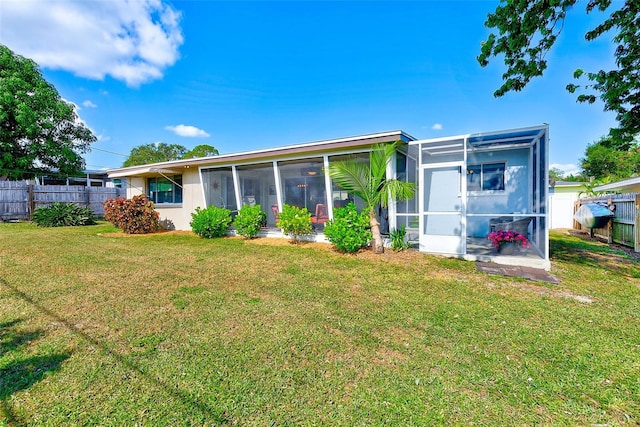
pixel 636 225
pixel 31 201
pixel 610 226
pixel 576 224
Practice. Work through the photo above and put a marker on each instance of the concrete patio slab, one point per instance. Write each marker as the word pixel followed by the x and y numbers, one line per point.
pixel 535 274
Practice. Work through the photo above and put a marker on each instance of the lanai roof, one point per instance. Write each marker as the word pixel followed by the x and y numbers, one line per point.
pixel 318 147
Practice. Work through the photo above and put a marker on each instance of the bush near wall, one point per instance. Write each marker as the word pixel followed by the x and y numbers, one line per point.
pixel 295 222
pixel 133 216
pixel 349 230
pixel 210 222
pixel 249 221
pixel 60 214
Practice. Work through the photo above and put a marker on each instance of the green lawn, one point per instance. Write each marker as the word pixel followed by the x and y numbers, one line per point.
pixel 171 329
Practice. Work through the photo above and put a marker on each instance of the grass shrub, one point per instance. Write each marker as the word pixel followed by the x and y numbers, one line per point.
pixel 60 214
pixel 295 222
pixel 210 222
pixel 249 221
pixel 398 238
pixel 137 215
pixel 349 230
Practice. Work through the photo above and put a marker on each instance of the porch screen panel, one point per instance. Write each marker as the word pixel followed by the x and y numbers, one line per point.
pixel 340 197
pixel 219 189
pixel 258 187
pixel 303 184
pixel 407 170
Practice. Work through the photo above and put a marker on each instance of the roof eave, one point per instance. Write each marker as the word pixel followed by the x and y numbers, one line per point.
pixel 266 154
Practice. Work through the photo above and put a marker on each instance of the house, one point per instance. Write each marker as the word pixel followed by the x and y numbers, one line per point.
pixel 562 198
pixel 464 182
pixel 90 178
pixel 629 185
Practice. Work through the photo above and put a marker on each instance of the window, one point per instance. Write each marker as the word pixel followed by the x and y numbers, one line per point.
pixel 485 177
pixel 165 189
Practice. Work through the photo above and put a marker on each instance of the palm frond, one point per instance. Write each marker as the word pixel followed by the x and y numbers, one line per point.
pixel 353 177
pixel 379 159
pixel 397 190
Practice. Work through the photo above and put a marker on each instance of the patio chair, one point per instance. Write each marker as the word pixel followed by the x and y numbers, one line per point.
pixel 322 214
pixel 520 226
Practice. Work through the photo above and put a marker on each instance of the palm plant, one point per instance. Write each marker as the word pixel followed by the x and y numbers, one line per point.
pixel 370 183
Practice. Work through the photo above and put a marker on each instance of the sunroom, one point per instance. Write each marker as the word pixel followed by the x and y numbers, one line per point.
pixel 470 185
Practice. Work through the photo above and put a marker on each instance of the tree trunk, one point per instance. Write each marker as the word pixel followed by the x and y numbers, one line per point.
pixel 378 245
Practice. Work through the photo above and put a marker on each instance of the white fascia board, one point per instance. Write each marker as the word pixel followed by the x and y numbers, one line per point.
pixel 135 170
pixel 620 185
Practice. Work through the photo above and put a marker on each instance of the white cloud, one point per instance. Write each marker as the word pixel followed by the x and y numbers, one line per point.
pixel 89 104
pixel 567 169
pixel 188 131
pixel 437 126
pixel 129 40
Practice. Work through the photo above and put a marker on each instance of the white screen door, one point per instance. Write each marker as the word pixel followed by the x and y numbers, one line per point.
pixel 441 219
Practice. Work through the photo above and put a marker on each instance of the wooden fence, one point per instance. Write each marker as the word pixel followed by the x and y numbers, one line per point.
pixel 624 229
pixel 18 199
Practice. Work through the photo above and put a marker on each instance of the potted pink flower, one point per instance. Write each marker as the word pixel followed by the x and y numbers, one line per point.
pixel 506 241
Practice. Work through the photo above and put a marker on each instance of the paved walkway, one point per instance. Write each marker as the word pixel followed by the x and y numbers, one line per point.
pixel 529 273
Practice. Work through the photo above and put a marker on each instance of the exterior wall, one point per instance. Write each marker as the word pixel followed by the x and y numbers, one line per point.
pixel 561 202
pixel 135 186
pixel 175 216
pixel 514 199
pixel 179 216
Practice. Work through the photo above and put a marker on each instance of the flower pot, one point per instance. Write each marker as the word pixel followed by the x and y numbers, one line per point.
pixel 507 248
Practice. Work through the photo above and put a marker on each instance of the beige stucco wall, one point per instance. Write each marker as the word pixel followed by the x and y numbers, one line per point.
pixel 178 215
pixel 135 186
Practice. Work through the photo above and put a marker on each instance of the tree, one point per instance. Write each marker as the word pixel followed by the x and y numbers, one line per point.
pixel 370 183
pixel 556 174
pixel 608 159
pixel 526 31
pixel 161 152
pixel 39 131
pixel 202 150
pixel 154 153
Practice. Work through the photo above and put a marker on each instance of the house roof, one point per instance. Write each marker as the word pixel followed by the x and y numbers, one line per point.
pixel 629 185
pixel 504 139
pixel 314 148
pixel 569 184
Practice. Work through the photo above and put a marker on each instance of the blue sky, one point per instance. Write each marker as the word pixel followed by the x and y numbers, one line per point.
pixel 249 75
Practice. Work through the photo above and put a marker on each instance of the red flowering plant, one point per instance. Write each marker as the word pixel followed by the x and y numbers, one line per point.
pixel 502 237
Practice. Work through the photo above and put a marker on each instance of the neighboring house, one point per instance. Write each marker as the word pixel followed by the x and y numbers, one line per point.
pixel 463 181
pixel 90 178
pixel 562 198
pixel 629 185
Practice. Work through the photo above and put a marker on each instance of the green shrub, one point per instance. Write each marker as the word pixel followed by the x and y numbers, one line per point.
pixel 349 230
pixel 249 221
pixel 60 214
pixel 210 222
pixel 295 222
pixel 398 238
pixel 133 216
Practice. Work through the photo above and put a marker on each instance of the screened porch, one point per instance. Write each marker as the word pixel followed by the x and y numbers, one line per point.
pixel 471 185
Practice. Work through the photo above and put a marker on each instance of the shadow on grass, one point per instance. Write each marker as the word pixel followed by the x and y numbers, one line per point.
pixel 206 410
pixel 22 374
pixel 580 251
pixel 11 339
